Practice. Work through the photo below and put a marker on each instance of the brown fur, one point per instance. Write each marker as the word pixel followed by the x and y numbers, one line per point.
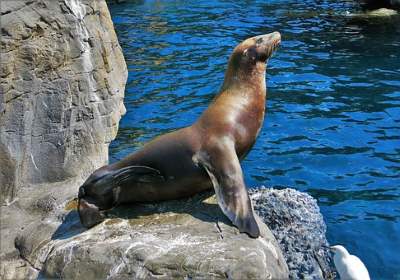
pixel 181 163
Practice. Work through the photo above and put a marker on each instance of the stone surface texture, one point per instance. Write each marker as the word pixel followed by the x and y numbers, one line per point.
pixel 62 81
pixel 296 222
pixel 61 97
pixel 182 239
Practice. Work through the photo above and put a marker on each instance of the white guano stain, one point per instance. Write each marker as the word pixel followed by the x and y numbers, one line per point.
pixel 159 248
pixel 34 163
pixel 270 247
pixel 76 7
pixel 79 11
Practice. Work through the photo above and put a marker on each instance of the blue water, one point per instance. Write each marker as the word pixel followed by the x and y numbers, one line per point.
pixel 332 126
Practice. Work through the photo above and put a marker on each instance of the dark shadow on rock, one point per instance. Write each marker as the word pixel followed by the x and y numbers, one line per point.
pixel 195 206
pixel 70 226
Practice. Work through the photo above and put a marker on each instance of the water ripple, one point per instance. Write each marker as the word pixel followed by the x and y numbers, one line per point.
pixel 333 112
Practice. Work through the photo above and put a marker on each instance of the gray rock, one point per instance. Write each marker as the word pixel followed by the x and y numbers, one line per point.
pixel 184 239
pixel 62 84
pixel 297 224
pixel 62 77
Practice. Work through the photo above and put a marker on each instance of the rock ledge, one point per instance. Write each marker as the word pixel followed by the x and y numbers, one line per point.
pixel 189 239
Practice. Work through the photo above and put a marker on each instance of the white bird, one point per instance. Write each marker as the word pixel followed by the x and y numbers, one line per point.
pixel 350 267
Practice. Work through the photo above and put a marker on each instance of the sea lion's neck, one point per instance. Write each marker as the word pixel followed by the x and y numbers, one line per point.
pixel 238 110
pixel 245 77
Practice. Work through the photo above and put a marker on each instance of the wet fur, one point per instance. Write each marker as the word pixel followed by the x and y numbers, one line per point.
pixel 196 158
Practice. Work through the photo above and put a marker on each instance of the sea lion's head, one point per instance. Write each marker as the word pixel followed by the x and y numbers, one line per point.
pixel 249 58
pixel 95 195
pixel 257 49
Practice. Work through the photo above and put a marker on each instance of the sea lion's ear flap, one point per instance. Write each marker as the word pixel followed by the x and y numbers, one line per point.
pixel 223 167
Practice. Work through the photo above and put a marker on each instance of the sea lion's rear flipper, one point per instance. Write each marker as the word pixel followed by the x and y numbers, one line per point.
pixel 138 173
pixel 223 167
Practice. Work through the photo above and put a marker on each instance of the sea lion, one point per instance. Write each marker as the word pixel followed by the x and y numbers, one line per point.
pixel 199 157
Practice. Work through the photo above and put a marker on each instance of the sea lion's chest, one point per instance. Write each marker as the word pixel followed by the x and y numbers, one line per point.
pixel 237 114
pixel 247 127
pixel 238 118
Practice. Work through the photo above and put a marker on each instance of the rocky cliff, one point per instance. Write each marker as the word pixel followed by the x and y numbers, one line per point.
pixel 62 85
pixel 62 77
pixel 183 239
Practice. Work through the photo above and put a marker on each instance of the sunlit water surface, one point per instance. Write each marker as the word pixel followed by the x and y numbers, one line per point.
pixel 332 126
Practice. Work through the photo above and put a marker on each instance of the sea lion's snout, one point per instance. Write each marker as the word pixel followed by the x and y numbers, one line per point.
pixel 89 213
pixel 270 38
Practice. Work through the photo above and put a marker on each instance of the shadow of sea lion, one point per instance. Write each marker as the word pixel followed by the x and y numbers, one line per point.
pixel 202 206
pixel 70 226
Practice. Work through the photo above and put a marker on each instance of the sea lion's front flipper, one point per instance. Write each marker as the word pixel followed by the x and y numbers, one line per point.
pixel 138 173
pixel 223 167
pixel 101 191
